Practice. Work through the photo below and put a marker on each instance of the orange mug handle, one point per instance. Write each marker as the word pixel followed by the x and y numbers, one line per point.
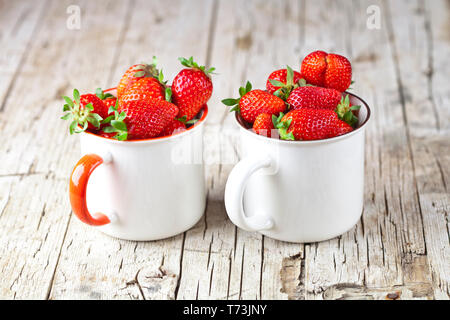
pixel 77 190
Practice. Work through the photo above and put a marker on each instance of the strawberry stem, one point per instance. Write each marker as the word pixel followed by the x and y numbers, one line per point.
pixel 345 111
pixel 117 123
pixel 190 63
pixel 235 102
pixel 80 116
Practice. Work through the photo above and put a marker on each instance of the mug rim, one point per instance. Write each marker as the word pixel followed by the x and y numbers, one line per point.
pixel 200 121
pixel 241 122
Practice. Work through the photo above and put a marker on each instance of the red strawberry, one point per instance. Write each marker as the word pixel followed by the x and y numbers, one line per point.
pixel 99 107
pixel 134 73
pixel 110 135
pixel 263 124
pixel 143 89
pixel 346 111
pixel 108 99
pixel 147 119
pixel 175 126
pixel 254 102
pixel 191 88
pixel 311 124
pixel 339 72
pixel 314 98
pixel 327 70
pixel 110 102
pixel 85 111
pixel 283 78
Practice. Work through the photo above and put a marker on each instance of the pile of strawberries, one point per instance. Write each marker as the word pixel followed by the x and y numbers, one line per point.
pixel 145 106
pixel 310 105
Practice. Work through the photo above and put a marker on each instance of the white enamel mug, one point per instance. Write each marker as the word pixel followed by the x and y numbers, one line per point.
pixel 299 191
pixel 141 190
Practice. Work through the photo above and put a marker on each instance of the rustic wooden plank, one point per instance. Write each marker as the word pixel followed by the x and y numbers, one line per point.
pixel 386 245
pixel 38 155
pixel 146 270
pixel 428 124
pixel 233 263
pixel 400 248
pixel 20 20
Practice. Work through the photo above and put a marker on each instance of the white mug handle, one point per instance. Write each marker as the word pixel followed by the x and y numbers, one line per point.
pixel 234 194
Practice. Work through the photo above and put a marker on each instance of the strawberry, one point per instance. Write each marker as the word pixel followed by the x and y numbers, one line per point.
pixel 143 89
pixel 175 126
pixel 85 111
pixel 345 111
pixel 110 102
pixel 314 98
pixel 117 128
pixel 254 102
pixel 134 73
pixel 108 99
pixel 281 82
pixel 311 124
pixel 146 119
pixel 191 88
pixel 327 70
pixel 263 124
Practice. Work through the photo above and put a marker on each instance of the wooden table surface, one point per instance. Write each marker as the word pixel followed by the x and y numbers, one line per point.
pixel 399 247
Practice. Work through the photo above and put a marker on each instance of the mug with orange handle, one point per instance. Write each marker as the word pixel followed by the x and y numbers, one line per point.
pixel 143 189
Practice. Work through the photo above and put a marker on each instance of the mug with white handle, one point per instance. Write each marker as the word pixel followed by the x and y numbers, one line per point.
pixel 141 189
pixel 299 191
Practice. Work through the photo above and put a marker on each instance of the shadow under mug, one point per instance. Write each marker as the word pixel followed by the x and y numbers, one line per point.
pixel 145 189
pixel 299 191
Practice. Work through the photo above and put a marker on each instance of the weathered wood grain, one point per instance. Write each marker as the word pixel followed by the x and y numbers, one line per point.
pixel 399 250
pixel 148 270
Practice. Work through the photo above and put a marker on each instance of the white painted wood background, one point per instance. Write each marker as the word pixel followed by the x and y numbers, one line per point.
pixel 400 246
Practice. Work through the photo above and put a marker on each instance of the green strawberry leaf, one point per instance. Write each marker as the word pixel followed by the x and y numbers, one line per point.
pixel 107 120
pixel 68 101
pixel 190 63
pixel 67 116
pixel 101 95
pixel 121 136
pixel 89 107
pixel 193 121
pixel 182 119
pixel 277 83
pixel 168 94
pixel 94 121
pixel 72 126
pixel 235 108
pixel 279 93
pixel 139 74
pixel 242 91
pixel 289 76
pixel 119 125
pixel 76 96
pixel 248 87
pixel 230 102
pixel 109 129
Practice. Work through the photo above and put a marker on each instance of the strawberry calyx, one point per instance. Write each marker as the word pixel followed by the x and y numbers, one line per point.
pixel 102 95
pixel 345 111
pixel 302 83
pixel 116 123
pixel 183 119
pixel 79 115
pixel 190 63
pixel 285 88
pixel 283 127
pixel 150 70
pixel 147 69
pixel 234 103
